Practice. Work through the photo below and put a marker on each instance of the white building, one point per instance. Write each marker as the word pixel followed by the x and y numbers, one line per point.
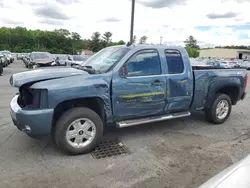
pixel 225 53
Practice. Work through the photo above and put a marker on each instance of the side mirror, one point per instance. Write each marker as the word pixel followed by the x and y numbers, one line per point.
pixel 124 71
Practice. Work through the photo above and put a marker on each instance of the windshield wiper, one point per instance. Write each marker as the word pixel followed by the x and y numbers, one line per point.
pixel 88 69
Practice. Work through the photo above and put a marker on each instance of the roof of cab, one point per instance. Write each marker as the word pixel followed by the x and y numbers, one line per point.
pixel 146 46
pixel 142 46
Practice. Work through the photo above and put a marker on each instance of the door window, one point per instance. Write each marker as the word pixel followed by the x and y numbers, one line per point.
pixel 174 62
pixel 144 63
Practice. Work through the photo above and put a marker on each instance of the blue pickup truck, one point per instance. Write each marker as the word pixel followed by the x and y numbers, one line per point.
pixel 121 85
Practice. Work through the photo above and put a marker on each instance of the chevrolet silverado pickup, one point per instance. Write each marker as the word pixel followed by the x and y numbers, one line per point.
pixel 122 85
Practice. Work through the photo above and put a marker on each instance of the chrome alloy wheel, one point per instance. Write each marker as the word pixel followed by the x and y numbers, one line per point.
pixel 222 109
pixel 81 133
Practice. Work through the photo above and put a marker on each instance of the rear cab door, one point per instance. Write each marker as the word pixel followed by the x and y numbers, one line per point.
pixel 179 80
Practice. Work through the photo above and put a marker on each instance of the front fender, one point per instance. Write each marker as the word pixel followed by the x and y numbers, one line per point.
pixel 69 88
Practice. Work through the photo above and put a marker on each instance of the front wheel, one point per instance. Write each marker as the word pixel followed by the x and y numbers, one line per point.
pixel 1 68
pixel 78 130
pixel 220 109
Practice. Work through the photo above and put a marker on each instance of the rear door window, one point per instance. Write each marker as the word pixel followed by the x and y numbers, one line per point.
pixel 174 62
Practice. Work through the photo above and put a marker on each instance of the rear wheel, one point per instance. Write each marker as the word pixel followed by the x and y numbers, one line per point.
pixel 78 130
pixel 220 109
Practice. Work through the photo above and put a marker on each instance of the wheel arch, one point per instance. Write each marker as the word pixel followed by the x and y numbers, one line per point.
pixel 230 87
pixel 94 103
pixel 231 90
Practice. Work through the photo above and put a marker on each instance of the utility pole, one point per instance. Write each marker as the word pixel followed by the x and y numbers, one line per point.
pixel 132 22
pixel 161 40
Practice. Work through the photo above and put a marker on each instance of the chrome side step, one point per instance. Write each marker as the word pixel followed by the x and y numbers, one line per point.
pixel 128 123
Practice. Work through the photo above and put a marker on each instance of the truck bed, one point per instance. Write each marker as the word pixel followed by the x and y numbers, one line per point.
pixel 206 67
pixel 206 79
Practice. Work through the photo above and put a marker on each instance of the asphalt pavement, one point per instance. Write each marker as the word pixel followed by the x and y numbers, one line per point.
pixel 171 154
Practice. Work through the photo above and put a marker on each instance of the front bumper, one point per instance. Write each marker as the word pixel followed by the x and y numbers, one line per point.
pixel 45 64
pixel 33 122
pixel 36 65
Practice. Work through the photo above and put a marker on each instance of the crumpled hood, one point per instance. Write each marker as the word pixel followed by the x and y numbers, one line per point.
pixel 19 79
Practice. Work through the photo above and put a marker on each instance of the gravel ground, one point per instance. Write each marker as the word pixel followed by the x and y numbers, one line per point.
pixel 172 154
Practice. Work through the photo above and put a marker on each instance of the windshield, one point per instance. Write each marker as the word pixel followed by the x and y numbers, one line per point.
pixel 78 58
pixel 40 55
pixel 106 58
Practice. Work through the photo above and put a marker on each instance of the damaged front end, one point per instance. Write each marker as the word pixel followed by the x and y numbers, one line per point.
pixel 30 113
pixel 30 98
pixel 29 108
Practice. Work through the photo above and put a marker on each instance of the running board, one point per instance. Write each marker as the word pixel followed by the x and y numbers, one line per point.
pixel 128 123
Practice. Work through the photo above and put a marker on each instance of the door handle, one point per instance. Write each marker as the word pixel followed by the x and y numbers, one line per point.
pixel 156 83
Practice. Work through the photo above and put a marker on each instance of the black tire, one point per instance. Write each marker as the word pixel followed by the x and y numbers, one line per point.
pixel 1 68
pixel 64 122
pixel 210 112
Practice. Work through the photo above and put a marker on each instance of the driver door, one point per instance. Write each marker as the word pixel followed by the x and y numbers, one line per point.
pixel 141 89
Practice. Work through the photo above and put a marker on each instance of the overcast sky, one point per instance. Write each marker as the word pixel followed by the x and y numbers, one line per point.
pixel 216 22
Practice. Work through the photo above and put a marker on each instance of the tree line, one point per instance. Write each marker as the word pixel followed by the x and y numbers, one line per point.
pixel 62 41
pixel 59 41
pixel 234 47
